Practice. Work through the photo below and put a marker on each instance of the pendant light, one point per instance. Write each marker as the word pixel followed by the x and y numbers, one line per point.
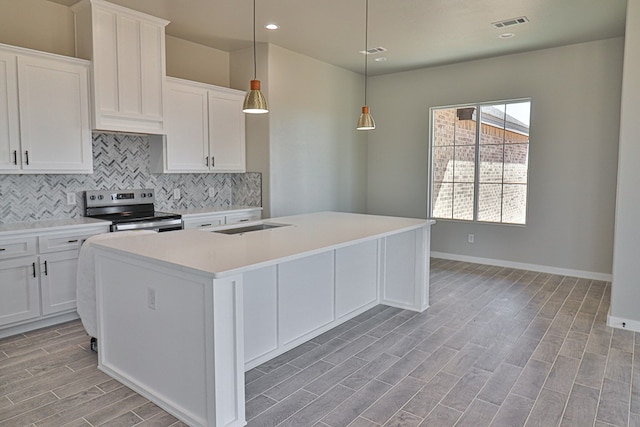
pixel 255 102
pixel 366 122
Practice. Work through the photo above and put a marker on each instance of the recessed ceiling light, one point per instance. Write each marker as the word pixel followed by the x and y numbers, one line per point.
pixel 272 26
pixel 506 35
pixel 381 59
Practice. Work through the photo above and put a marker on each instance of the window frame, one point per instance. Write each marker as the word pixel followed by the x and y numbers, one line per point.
pixel 476 183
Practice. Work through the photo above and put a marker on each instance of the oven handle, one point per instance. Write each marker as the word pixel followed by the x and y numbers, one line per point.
pixel 174 223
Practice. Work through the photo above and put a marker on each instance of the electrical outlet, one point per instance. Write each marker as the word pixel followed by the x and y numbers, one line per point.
pixel 176 194
pixel 212 193
pixel 71 198
pixel 470 238
pixel 151 298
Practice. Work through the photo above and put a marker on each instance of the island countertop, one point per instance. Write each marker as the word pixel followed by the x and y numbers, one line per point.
pixel 218 255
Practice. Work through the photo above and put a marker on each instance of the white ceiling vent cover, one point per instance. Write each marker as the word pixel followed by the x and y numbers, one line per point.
pixel 374 50
pixel 510 22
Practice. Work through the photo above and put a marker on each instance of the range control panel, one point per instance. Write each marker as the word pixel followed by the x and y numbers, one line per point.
pixel 99 198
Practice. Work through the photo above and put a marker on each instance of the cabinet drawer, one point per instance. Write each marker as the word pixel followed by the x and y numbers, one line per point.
pixel 62 241
pixel 244 217
pixel 12 248
pixel 212 221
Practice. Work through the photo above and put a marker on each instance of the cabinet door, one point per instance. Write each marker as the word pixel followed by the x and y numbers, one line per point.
pixel 58 281
pixel 54 115
pixel 9 136
pixel 226 132
pixel 187 128
pixel 18 290
pixel 129 66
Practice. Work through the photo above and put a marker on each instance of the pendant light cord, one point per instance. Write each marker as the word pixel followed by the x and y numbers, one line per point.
pixel 366 46
pixel 255 67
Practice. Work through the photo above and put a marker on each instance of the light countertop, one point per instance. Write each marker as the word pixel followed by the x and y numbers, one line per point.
pixel 195 212
pixel 218 255
pixel 49 225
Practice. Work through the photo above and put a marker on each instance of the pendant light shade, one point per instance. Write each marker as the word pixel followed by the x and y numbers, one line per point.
pixel 366 122
pixel 255 102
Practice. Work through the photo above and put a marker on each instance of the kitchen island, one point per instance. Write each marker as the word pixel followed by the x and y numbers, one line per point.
pixel 182 315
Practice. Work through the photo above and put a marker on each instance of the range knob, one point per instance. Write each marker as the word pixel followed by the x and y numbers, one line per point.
pixel 92 197
pixel 100 197
pixel 144 195
pixel 149 194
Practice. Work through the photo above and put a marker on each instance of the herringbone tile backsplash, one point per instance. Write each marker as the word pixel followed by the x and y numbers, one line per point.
pixel 120 161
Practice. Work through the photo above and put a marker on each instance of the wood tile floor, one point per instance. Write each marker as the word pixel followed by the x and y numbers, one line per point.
pixel 497 347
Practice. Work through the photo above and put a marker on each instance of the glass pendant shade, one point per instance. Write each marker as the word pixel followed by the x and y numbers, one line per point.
pixel 366 122
pixel 255 102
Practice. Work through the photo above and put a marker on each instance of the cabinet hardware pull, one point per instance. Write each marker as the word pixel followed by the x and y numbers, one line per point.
pixel 244 220
pixel 205 225
pixel 34 268
pixel 26 155
pixel 213 162
pixel 206 161
pixel 73 241
pixel 2 249
pixel 15 157
pixel 46 271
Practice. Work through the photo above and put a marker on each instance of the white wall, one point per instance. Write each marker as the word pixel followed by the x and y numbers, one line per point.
pixel 37 24
pixel 192 61
pixel 625 289
pixel 314 159
pixel 318 158
pixel 573 154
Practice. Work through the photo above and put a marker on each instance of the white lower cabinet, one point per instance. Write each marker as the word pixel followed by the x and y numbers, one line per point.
pixel 305 296
pixel 58 281
pixel 19 293
pixel 356 277
pixel 205 220
pixel 260 300
pixel 38 277
pixel 288 304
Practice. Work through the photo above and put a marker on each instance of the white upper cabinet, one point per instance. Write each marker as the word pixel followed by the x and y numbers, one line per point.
pixel 205 130
pixel 9 129
pixel 226 131
pixel 44 113
pixel 128 53
pixel 187 127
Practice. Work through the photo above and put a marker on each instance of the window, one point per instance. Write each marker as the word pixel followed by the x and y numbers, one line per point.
pixel 480 162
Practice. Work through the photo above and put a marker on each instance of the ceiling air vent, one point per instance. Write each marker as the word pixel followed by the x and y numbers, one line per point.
pixel 374 50
pixel 510 22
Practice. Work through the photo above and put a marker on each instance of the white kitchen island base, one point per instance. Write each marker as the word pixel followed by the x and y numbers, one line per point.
pixel 180 321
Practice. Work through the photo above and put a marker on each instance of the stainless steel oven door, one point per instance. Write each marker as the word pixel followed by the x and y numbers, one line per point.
pixel 159 226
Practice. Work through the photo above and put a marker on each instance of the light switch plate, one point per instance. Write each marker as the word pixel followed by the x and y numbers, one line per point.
pixel 176 194
pixel 71 198
pixel 212 193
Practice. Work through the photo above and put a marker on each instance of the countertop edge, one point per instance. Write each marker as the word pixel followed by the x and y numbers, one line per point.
pixel 50 226
pixel 266 263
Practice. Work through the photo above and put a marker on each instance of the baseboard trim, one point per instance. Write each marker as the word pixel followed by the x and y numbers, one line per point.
pixel 621 323
pixel 523 266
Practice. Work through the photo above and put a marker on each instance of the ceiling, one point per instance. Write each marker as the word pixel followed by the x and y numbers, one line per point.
pixel 417 33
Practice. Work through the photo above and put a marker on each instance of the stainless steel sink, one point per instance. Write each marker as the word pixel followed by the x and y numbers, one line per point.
pixel 249 228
